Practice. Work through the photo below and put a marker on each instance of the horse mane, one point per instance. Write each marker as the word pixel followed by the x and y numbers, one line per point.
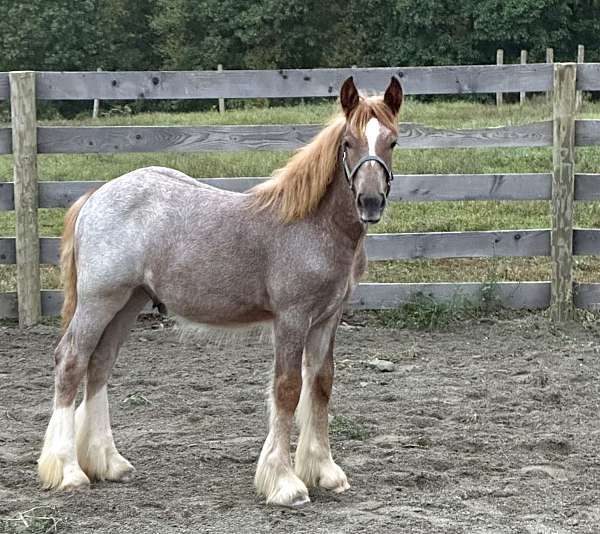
pixel 294 191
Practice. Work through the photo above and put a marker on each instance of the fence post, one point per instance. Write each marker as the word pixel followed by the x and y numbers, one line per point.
pixel 221 100
pixel 549 59
pixel 24 141
pixel 563 181
pixel 522 94
pixel 96 109
pixel 499 61
pixel 580 59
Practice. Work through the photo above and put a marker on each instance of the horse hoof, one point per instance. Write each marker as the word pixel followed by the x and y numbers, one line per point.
pixel 334 479
pixel 300 502
pixel 291 493
pixel 120 470
pixel 327 475
pixel 126 477
pixel 105 463
pixel 341 488
pixel 74 480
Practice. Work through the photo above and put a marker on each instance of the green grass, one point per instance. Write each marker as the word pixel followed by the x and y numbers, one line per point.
pixel 343 427
pixel 38 520
pixel 400 217
pixel 423 312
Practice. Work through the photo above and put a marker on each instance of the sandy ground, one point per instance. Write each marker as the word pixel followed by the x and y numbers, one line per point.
pixel 491 427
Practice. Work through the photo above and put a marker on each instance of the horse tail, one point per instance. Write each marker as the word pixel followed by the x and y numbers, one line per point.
pixel 68 267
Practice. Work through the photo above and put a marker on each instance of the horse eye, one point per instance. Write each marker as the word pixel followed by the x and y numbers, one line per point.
pixel 347 144
pixel 393 145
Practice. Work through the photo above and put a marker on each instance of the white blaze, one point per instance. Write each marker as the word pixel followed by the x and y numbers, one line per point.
pixel 372 132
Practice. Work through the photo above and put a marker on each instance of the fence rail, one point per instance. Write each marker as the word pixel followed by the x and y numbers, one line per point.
pixel 369 296
pixel 285 83
pixel 561 185
pixel 296 83
pixel 407 246
pixel 405 187
pixel 127 139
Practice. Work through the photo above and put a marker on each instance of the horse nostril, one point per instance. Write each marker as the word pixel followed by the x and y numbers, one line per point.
pixel 371 202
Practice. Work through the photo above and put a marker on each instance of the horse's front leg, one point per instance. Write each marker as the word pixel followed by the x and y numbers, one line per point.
pixel 314 463
pixel 275 478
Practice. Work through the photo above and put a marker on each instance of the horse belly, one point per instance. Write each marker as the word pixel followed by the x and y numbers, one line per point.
pixel 218 298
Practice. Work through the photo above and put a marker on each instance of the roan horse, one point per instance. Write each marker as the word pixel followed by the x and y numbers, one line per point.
pixel 289 252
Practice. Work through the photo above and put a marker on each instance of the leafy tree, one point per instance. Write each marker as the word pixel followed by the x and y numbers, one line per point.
pixel 126 36
pixel 199 34
pixel 48 34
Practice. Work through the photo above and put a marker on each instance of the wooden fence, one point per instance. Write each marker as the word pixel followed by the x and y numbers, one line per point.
pixel 549 59
pixel 560 185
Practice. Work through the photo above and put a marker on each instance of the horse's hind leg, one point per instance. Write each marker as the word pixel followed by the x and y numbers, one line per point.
pixel 57 465
pixel 314 463
pixel 96 450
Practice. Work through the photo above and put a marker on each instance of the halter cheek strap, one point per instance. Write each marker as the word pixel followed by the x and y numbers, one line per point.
pixel 351 173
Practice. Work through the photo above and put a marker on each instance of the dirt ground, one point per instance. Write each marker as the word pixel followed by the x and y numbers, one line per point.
pixel 491 427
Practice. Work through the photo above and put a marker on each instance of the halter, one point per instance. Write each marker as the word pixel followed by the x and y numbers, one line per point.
pixel 351 173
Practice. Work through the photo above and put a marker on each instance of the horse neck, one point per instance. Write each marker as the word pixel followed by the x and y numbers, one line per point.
pixel 339 206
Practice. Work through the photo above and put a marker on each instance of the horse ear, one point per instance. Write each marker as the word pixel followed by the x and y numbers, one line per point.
pixel 349 96
pixel 394 95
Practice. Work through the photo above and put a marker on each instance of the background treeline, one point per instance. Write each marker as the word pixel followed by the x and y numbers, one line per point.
pixel 199 34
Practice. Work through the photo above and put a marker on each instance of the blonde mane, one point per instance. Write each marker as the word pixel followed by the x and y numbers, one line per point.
pixel 295 190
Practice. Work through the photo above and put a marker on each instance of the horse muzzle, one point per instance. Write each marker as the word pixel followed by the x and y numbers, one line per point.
pixel 370 207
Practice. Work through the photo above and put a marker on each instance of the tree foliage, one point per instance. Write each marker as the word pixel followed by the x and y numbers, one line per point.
pixel 199 34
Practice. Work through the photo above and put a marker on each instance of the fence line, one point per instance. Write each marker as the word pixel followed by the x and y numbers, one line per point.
pixel 562 185
pixel 288 83
pixel 129 139
pixel 294 83
pixel 411 245
pixel 405 187
pixel 368 296
pixel 549 60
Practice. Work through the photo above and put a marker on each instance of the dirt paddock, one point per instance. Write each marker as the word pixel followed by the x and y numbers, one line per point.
pixel 491 427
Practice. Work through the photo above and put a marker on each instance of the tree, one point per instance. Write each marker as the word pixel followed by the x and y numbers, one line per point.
pixel 47 35
pixel 126 36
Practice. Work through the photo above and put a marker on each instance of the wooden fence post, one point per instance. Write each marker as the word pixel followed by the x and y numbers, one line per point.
pixel 221 100
pixel 499 61
pixel 523 94
pixel 563 181
pixel 580 59
pixel 24 141
pixel 549 59
pixel 96 109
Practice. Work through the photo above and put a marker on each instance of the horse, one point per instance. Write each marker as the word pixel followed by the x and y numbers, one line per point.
pixel 287 254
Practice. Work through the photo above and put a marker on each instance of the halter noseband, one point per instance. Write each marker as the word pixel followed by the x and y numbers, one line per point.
pixel 350 174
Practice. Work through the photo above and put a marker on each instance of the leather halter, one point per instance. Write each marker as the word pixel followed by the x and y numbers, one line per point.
pixel 350 174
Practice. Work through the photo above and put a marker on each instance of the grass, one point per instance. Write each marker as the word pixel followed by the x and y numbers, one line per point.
pixel 400 217
pixel 343 427
pixel 135 400
pixel 38 520
pixel 423 312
